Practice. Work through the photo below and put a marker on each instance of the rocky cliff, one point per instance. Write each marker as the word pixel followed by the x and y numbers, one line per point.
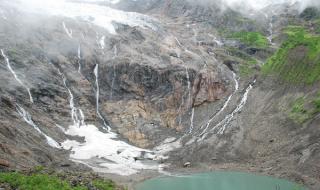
pixel 175 83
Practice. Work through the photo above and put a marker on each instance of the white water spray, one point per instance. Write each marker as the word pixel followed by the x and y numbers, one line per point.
pixel 96 73
pixel 236 87
pixel 27 118
pixel 114 70
pixel 76 113
pixel 191 121
pixel 189 103
pixel 79 59
pixel 15 75
pixel 102 42
pixel 270 28
pixel 69 32
pixel 226 121
pixel 270 37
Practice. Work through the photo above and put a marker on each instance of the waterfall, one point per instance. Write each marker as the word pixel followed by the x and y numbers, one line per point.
pixel 79 58
pixel 179 42
pixel 15 75
pixel 115 54
pixel 226 121
pixel 270 29
pixel 27 118
pixel 189 103
pixel 96 73
pixel 189 88
pixel 216 40
pixel 76 113
pixel 185 49
pixel 69 32
pixel 236 87
pixel 270 38
pixel 191 121
pixel 101 42
pixel 113 80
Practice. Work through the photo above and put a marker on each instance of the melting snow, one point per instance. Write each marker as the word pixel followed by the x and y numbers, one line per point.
pixel 119 156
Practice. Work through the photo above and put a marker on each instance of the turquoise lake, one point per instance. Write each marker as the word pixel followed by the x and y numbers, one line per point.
pixel 218 181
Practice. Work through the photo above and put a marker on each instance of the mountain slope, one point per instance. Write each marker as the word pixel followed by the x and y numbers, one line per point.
pixel 131 95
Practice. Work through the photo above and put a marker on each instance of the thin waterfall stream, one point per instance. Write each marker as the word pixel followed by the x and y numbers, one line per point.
pixel 27 118
pixel 96 73
pixel 16 76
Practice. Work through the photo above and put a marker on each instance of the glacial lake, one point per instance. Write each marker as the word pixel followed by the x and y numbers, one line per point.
pixel 218 181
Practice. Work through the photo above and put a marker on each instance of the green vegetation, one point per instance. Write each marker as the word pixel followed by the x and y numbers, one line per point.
pixel 298 112
pixel 302 109
pixel 298 59
pixel 247 66
pixel 35 182
pixel 316 104
pixel 255 39
pixel 39 180
pixel 103 185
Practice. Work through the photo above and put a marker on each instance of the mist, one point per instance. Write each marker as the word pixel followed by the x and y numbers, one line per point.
pixel 256 5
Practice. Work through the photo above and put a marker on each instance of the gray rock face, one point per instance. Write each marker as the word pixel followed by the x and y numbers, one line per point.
pixel 146 93
pixel 174 82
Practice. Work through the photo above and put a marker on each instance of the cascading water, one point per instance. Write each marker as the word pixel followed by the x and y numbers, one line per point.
pixel 79 59
pixel 27 118
pixel 191 121
pixel 270 38
pixel 96 73
pixel 116 156
pixel 236 87
pixel 114 71
pixel 185 49
pixel 226 121
pixel 270 28
pixel 179 42
pixel 69 32
pixel 76 113
pixel 15 75
pixel 101 42
pixel 189 103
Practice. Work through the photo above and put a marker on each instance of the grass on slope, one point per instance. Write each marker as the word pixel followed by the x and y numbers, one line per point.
pixel 305 108
pixel 298 59
pixel 255 39
pixel 38 181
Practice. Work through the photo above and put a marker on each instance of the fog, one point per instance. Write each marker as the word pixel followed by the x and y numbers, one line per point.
pixel 239 5
pixel 257 4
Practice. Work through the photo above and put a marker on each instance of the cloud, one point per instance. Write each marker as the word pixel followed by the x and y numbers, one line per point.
pixel 257 4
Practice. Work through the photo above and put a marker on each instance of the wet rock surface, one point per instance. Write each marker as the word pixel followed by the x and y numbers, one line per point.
pixel 156 88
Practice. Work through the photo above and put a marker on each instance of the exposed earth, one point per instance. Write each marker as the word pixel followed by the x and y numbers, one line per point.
pixel 170 90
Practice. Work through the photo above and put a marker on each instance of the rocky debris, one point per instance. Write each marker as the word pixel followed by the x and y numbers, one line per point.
pixel 4 163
